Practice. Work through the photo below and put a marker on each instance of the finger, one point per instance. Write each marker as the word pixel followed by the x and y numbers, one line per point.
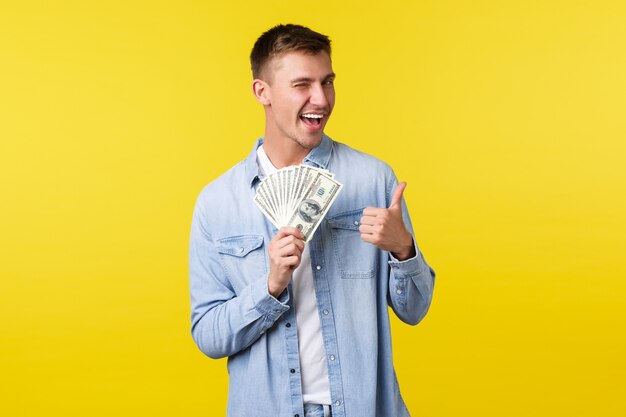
pixel 369 220
pixel 286 232
pixel 294 231
pixel 291 261
pixel 373 211
pixel 373 221
pixel 397 195
pixel 299 244
pixel 367 238
pixel 278 236
pixel 290 250
pixel 283 253
pixel 367 229
pixel 290 240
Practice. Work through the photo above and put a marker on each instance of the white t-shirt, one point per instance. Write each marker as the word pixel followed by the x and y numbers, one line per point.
pixel 315 384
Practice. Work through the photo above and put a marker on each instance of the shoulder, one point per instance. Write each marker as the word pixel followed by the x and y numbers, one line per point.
pixel 220 192
pixel 355 156
pixel 356 161
pixel 228 180
pixel 233 181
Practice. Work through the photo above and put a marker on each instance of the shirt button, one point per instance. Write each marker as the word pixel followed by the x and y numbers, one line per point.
pixel 337 403
pixel 240 250
pixel 356 223
pixel 318 267
pixel 288 324
pixel 325 312
pixel 398 291
pixel 332 357
pixel 293 371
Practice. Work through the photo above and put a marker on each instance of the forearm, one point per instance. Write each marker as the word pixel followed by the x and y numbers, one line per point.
pixel 411 284
pixel 225 321
pixel 224 328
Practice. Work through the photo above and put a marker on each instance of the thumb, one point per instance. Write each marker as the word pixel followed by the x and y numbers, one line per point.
pixel 397 195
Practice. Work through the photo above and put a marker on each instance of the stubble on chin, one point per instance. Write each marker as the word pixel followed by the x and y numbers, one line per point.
pixel 309 144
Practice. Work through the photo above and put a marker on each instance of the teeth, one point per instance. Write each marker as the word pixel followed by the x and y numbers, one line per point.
pixel 313 116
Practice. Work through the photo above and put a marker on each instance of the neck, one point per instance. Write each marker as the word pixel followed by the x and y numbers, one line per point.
pixel 284 153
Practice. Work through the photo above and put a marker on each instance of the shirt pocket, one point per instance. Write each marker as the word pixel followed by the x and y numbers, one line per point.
pixel 355 259
pixel 243 259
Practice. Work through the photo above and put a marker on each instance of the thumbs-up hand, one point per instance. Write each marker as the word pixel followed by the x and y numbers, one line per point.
pixel 384 227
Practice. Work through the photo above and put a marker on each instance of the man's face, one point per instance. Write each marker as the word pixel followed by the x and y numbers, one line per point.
pixel 310 209
pixel 301 97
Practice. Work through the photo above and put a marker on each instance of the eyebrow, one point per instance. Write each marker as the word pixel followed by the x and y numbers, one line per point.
pixel 307 79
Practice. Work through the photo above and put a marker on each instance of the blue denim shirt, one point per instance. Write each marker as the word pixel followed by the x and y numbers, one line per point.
pixel 233 314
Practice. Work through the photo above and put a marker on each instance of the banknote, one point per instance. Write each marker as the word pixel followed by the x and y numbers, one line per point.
pixel 297 196
pixel 314 204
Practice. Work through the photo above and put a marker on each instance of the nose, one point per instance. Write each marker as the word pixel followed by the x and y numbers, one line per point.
pixel 318 96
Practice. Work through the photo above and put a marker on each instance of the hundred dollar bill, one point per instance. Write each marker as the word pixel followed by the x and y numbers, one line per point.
pixel 262 203
pixel 297 194
pixel 307 178
pixel 314 204
pixel 273 186
pixel 297 177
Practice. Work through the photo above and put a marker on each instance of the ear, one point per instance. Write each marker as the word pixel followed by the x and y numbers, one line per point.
pixel 260 89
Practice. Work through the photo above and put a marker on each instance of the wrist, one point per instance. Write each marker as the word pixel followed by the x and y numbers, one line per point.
pixel 275 290
pixel 406 251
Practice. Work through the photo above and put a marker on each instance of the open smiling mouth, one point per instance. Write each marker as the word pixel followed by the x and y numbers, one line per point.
pixel 312 119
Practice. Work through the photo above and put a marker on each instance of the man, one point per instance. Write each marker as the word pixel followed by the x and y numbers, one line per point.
pixel 305 327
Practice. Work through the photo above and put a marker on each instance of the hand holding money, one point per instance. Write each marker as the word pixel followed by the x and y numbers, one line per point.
pixel 295 199
pixel 285 252
pixel 384 227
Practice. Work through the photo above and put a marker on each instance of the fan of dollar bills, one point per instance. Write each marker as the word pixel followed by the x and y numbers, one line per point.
pixel 297 196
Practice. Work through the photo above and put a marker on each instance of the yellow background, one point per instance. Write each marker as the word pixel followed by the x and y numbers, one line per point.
pixel 506 118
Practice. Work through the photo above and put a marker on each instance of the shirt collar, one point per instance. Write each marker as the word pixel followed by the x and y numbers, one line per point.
pixel 319 157
pixel 252 168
